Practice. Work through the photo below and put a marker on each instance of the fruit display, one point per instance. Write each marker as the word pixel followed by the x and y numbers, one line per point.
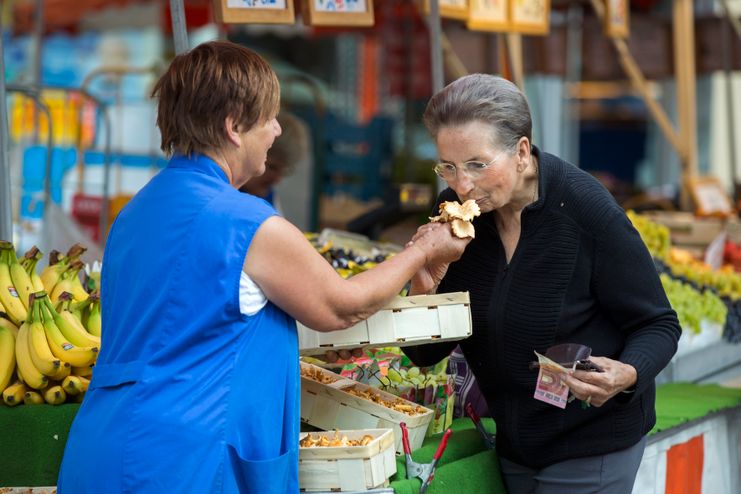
pixel 346 262
pixel 732 328
pixel 459 216
pixel 692 286
pixel 725 281
pixel 49 328
pixel 732 254
pixel 654 235
pixel 337 441
pixel 692 305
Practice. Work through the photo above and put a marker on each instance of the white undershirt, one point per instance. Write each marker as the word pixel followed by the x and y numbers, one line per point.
pixel 251 298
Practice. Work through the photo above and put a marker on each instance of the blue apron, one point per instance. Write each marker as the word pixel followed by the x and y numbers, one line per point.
pixel 188 395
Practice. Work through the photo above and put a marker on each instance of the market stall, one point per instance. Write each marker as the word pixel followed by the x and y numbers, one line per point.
pixel 376 398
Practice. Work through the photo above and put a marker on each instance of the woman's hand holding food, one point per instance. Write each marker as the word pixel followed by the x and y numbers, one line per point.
pixel 595 388
pixel 441 249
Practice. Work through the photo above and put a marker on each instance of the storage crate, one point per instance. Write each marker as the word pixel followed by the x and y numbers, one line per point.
pixel 328 406
pixel 405 321
pixel 350 468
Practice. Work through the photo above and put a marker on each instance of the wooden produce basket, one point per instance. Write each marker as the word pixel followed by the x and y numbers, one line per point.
pixel 350 468
pixel 328 406
pixel 405 321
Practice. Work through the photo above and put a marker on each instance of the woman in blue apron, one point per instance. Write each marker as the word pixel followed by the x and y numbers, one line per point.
pixel 196 389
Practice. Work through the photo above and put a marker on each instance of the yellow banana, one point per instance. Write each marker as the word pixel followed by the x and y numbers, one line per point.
pixel 13 394
pixel 83 371
pixel 50 275
pixel 33 398
pixel 78 291
pixel 38 348
pixel 71 327
pixel 27 371
pixel 64 370
pixel 29 262
pixel 62 348
pixel 94 320
pixel 55 395
pixel 20 279
pixel 5 323
pixel 74 385
pixel 7 356
pixel 9 296
pixel 66 283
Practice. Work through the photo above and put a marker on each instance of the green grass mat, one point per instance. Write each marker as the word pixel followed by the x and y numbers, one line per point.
pixel 677 403
pixel 34 438
pixel 33 443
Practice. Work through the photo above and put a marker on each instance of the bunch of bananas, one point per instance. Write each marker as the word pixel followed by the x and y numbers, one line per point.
pixel 50 328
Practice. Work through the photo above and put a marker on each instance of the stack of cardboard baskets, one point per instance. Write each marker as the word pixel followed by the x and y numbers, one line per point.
pixel 332 403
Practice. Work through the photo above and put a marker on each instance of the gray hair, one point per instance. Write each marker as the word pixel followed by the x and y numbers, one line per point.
pixel 486 98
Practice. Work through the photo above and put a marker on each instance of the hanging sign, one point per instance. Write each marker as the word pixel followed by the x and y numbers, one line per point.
pixel 709 197
pixel 530 16
pixel 617 15
pixel 338 12
pixel 449 9
pixel 488 15
pixel 254 11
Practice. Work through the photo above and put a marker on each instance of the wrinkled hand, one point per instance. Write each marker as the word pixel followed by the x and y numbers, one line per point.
pixel 597 387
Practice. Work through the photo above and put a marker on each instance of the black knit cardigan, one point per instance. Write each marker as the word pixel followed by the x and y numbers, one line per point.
pixel 580 274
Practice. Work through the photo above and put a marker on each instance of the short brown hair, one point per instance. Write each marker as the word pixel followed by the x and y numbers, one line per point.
pixel 204 86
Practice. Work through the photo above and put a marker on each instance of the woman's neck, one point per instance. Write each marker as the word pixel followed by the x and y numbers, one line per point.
pixel 524 194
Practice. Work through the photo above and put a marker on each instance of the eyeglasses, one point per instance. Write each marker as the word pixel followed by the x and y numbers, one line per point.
pixel 474 169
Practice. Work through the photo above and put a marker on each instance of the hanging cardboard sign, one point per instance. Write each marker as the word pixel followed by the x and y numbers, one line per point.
pixel 617 15
pixel 530 16
pixel 338 12
pixel 488 15
pixel 449 9
pixel 254 11
pixel 709 197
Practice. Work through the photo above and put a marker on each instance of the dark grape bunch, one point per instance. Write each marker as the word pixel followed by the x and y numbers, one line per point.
pixel 732 328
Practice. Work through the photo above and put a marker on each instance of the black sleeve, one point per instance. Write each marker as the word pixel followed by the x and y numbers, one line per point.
pixel 629 290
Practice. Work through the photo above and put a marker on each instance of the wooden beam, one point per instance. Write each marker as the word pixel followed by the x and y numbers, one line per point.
pixel 684 68
pixel 633 71
pixel 451 60
pixel 514 47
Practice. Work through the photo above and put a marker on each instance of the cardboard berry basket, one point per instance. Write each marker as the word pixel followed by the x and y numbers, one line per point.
pixel 405 321
pixel 347 468
pixel 329 405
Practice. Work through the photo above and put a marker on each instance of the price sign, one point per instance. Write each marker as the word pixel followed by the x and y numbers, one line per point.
pixel 254 11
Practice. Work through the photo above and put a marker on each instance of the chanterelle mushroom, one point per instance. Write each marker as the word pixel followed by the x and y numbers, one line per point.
pixel 460 217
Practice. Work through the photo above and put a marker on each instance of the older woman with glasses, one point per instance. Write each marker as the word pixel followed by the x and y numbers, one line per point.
pixel 555 260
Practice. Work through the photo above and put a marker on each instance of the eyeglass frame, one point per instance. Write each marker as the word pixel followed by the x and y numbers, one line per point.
pixel 473 175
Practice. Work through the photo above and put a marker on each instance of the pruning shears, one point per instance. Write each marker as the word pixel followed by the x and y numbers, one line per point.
pixel 424 471
pixel 489 439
